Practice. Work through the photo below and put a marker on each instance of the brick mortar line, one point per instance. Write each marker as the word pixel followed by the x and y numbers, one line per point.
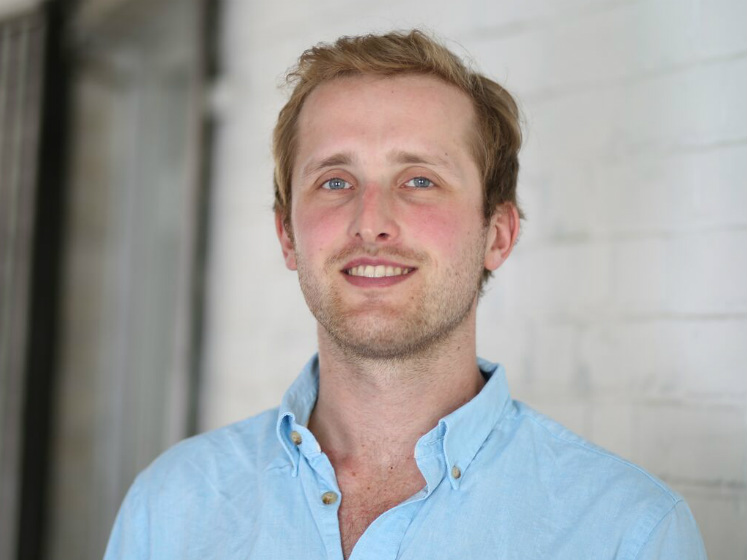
pixel 565 394
pixel 547 94
pixel 602 238
pixel 595 319
pixel 522 25
pixel 703 484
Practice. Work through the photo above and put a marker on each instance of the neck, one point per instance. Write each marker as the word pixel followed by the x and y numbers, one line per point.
pixel 373 411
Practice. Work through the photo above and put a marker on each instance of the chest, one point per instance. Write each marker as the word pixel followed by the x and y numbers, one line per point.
pixel 365 500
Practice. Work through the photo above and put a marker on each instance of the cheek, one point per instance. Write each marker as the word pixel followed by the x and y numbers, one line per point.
pixel 315 229
pixel 444 229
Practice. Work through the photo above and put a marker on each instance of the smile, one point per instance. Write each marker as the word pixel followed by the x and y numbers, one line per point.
pixel 379 271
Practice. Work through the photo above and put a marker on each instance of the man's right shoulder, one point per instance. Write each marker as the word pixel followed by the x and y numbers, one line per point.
pixel 181 505
pixel 215 458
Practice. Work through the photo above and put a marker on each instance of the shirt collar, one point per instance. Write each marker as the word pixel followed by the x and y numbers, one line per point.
pixel 462 432
pixel 466 429
pixel 295 411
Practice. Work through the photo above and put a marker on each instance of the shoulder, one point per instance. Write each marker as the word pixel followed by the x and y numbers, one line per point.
pixel 580 484
pixel 207 461
pixel 190 493
pixel 571 454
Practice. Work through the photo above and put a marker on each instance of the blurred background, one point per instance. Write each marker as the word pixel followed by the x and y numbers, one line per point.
pixel 143 297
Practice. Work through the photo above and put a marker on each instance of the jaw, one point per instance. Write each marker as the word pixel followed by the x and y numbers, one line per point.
pixel 384 332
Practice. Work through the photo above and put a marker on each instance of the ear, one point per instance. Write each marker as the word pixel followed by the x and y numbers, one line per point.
pixel 502 234
pixel 286 242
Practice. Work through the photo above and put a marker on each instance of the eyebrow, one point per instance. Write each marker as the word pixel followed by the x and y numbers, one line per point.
pixel 313 167
pixel 413 158
pixel 399 157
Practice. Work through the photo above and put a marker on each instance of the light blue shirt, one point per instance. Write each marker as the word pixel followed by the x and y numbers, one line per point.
pixel 523 488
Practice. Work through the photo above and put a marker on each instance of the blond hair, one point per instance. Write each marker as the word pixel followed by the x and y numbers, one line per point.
pixel 498 136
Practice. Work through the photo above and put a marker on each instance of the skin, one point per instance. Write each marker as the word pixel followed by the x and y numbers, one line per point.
pixel 384 175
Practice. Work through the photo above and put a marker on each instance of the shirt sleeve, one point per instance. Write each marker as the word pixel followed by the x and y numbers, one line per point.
pixel 129 537
pixel 675 537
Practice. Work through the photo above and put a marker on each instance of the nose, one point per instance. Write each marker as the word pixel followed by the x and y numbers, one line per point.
pixel 374 220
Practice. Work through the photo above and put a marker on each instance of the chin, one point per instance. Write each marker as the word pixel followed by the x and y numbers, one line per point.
pixel 376 338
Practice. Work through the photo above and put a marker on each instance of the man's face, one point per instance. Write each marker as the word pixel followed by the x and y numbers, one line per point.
pixel 387 228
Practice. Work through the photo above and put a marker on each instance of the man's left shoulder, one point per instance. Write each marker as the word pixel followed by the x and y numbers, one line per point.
pixel 582 484
pixel 575 458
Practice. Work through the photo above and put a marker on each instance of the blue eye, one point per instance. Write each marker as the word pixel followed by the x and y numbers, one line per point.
pixel 419 183
pixel 336 184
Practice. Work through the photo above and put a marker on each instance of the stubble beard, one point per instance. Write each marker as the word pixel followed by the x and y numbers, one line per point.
pixel 377 330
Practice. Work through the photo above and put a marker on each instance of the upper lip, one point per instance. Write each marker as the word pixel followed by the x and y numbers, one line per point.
pixel 368 261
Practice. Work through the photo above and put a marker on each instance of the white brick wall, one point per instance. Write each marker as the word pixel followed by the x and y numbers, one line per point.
pixel 623 311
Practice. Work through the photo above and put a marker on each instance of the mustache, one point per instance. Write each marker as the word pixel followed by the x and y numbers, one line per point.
pixel 346 254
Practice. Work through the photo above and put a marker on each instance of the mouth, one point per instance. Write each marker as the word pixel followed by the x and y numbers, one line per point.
pixel 377 271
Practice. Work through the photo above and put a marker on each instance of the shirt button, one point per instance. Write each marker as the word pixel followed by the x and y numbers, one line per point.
pixel 329 498
pixel 456 472
pixel 296 437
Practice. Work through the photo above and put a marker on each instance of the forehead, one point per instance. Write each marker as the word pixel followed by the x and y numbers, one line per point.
pixel 402 112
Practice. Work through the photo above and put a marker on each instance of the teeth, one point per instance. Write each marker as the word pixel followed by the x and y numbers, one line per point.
pixel 379 271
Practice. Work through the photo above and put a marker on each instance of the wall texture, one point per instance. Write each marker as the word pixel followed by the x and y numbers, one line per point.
pixel 623 311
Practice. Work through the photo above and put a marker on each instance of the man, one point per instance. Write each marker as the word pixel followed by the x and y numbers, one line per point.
pixel 395 180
